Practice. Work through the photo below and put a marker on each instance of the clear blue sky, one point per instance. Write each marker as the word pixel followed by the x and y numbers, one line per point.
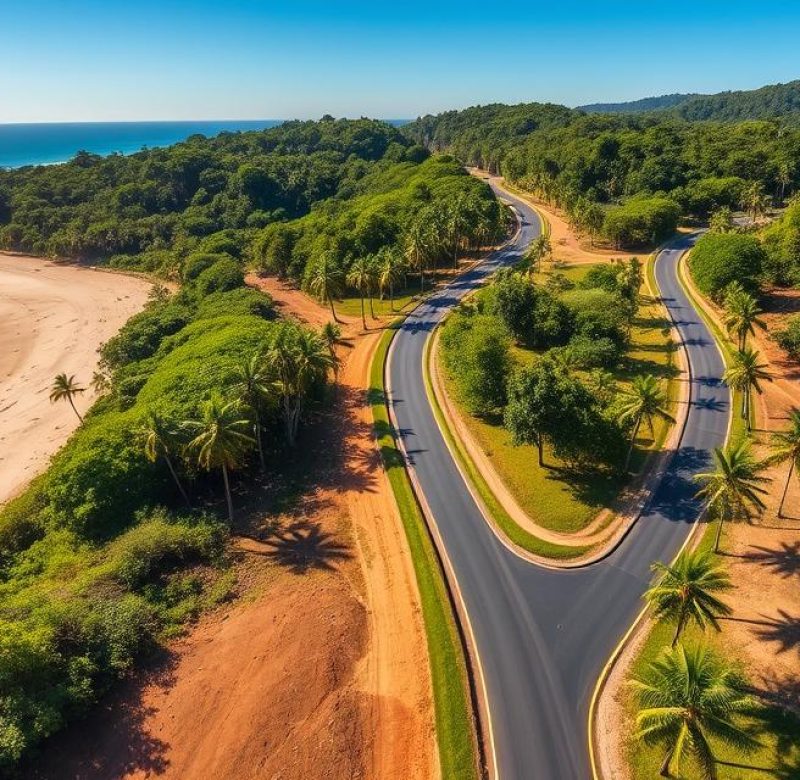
pixel 88 60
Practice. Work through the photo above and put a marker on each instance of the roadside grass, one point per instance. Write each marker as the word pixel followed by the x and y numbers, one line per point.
pixel 454 723
pixel 555 497
pixel 778 755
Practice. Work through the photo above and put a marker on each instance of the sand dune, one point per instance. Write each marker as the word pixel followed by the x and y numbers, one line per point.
pixel 52 319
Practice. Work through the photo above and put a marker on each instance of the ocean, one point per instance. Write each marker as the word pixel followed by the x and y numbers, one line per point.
pixel 48 143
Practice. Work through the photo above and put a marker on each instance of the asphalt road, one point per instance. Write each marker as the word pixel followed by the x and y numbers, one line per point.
pixel 542 635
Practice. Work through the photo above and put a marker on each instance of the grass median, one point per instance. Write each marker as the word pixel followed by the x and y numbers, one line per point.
pixel 454 721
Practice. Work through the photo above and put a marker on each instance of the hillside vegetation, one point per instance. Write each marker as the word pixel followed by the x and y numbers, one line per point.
pixel 622 179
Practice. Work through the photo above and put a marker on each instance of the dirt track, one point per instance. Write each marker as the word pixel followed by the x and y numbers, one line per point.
pixel 321 669
pixel 52 319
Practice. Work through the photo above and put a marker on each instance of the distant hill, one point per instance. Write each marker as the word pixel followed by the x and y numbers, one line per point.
pixel 639 106
pixel 770 102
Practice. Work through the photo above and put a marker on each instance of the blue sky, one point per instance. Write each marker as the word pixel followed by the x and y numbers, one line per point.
pixel 87 60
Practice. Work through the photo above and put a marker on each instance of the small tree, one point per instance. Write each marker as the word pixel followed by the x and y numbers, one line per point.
pixel 741 314
pixel 253 383
pixel 786 446
pixel 734 486
pixel 326 280
pixel 745 375
pixel 685 697
pixel 65 388
pixel 161 440
pixel 643 402
pixel 685 591
pixel 360 277
pixel 221 439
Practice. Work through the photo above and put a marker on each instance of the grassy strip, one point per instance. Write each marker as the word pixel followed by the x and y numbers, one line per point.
pixel 454 723
pixel 498 513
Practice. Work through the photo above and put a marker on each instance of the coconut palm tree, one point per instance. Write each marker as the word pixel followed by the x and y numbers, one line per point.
pixel 734 486
pixel 360 276
pixel 65 388
pixel 417 243
pixel 741 315
pixel 390 271
pixel 300 359
pixel 686 697
pixel 643 401
pixel 745 375
pixel 539 249
pixel 786 446
pixel 754 201
pixel 685 591
pixel 457 221
pixel 252 381
pixel 326 280
pixel 331 333
pixel 162 440
pixel 221 439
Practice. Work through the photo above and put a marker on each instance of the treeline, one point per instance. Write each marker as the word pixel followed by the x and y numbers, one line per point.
pixel 151 208
pixel 625 179
pixel 565 399
pixel 116 545
pixel 774 101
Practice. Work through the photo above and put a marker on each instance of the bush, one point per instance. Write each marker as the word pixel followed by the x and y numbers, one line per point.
pixel 159 544
pixel 198 262
pixel 224 275
pixel 476 351
pixel 782 247
pixel 789 337
pixel 593 353
pixel 719 259
pixel 641 221
pixel 598 314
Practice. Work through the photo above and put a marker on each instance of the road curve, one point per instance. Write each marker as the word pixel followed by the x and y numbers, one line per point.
pixel 543 635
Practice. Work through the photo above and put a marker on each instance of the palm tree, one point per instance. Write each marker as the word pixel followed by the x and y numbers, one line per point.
pixel 457 224
pixel 360 277
pixel 300 360
pixel 221 439
pixel 66 388
pixel 417 248
pixel 786 446
pixel 734 486
pixel 539 249
pixel 744 375
pixel 741 315
pixel 331 333
pixel 643 402
pixel 161 440
pixel 390 271
pixel 252 383
pixel 685 697
pixel 685 590
pixel 754 201
pixel 326 280
pixel 784 178
pixel 721 220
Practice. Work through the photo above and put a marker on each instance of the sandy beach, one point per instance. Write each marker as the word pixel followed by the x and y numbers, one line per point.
pixel 53 318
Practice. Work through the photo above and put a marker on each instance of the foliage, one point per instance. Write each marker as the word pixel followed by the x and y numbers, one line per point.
pixel 641 221
pixel 476 352
pixel 788 337
pixel 781 242
pixel 719 259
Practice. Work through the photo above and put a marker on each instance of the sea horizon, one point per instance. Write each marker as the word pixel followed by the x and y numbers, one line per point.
pixel 53 143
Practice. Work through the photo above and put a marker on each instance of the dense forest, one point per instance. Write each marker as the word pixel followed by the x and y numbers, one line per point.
pixel 623 178
pixel 770 102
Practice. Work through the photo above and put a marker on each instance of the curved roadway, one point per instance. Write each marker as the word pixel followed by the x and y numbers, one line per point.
pixel 543 635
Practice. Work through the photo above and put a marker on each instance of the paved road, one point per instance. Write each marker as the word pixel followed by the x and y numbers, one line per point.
pixel 543 635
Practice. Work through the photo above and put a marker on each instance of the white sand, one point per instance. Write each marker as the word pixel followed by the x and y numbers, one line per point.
pixel 53 318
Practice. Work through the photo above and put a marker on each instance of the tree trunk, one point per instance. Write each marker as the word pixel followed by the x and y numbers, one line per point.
pixel 174 473
pixel 363 316
pixel 371 309
pixel 259 443
pixel 333 310
pixel 664 771
pixel 746 408
pixel 719 533
pixel 679 628
pixel 540 451
pixel 391 295
pixel 633 444
pixel 786 488
pixel 71 403
pixel 228 492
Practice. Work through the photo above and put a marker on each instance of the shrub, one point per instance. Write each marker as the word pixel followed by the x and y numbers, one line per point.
pixel 719 259
pixel 593 353
pixel 598 314
pixel 789 337
pixel 198 262
pixel 222 276
pixel 159 544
